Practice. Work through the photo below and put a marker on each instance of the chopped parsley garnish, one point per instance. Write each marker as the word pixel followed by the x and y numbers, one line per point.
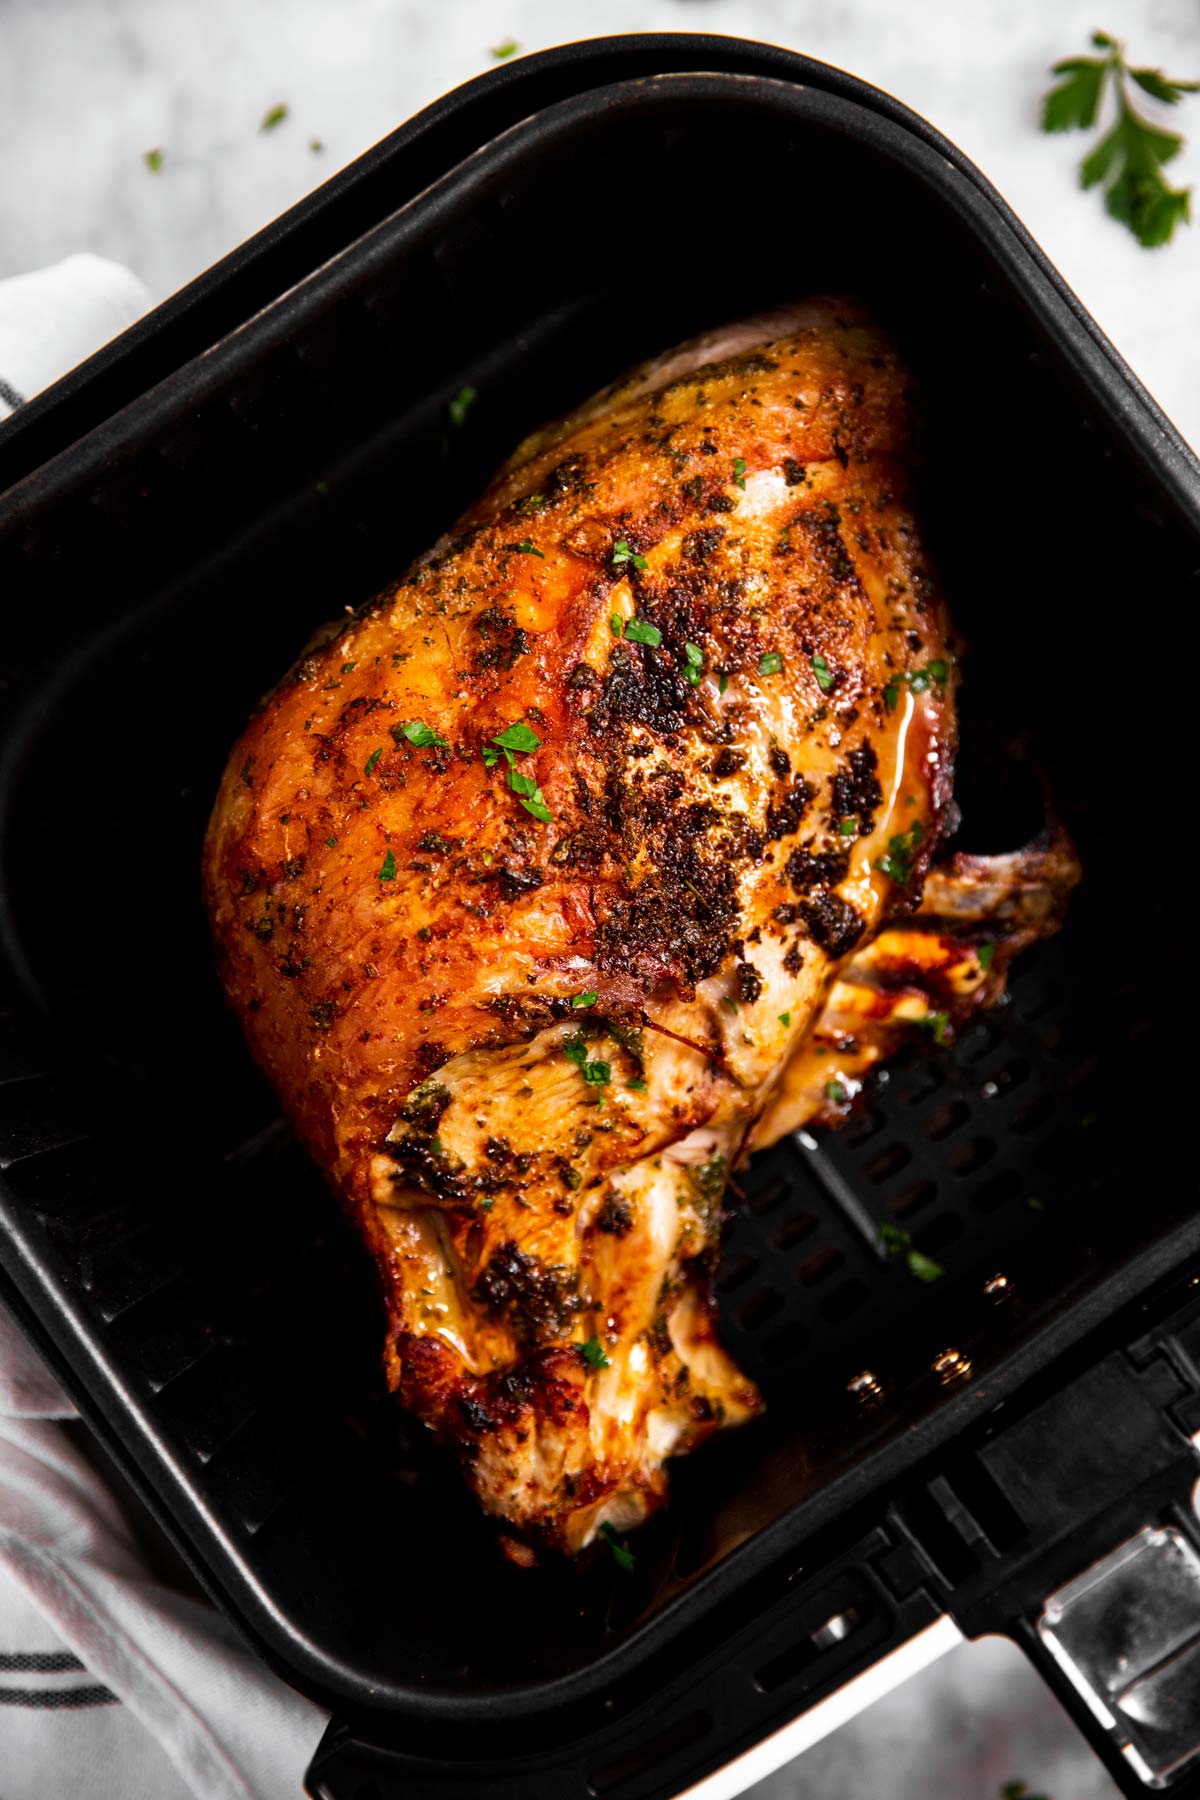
pixel 1129 159
pixel 622 1555
pixel 722 682
pixel 984 955
pixel 388 870
pixel 372 760
pixel 349 668
pixel 934 674
pixel 901 850
pixel 588 999
pixel 729 1005
pixel 596 1074
pixel 822 671
pixel 623 554
pixel 487 1205
pixel 274 116
pixel 616 624
pixel 895 1241
pixel 693 663
pixel 771 663
pixel 593 1354
pixel 836 1092
pixel 785 1018
pixel 421 736
pixel 642 632
pixel 435 1146
pixel 637 1085
pixel 331 843
pixel 937 1024
pixel 153 160
pixel 739 471
pixel 527 547
pixel 848 826
pixel 530 795
pixel 461 405
pixel 519 738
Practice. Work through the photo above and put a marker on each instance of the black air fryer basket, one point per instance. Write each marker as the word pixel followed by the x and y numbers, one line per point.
pixel 1010 1445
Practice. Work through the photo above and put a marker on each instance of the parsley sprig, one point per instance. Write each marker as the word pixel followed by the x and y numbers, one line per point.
pixel 895 1241
pixel 1129 159
pixel 513 741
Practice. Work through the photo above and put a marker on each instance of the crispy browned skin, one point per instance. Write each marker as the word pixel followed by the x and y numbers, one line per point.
pixel 404 940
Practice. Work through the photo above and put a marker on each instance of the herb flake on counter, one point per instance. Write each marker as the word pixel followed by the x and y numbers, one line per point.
pixel 274 115
pixel 153 160
pixel 1128 161
pixel 503 51
pixel 593 1354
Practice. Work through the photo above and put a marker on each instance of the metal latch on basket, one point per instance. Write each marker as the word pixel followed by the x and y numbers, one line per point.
pixel 1126 1634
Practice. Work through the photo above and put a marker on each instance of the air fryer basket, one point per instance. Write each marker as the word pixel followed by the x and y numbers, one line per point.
pixel 170 1246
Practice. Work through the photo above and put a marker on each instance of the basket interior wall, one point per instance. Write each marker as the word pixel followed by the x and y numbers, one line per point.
pixel 178 582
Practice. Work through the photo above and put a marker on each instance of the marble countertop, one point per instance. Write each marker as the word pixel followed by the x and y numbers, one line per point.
pixel 87 88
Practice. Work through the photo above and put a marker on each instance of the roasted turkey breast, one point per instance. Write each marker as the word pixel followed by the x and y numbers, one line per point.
pixel 541 881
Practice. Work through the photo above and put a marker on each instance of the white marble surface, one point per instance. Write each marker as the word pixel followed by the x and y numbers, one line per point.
pixel 87 86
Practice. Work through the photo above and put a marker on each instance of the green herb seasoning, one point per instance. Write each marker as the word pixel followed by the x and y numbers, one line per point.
pixel 901 850
pixel 331 843
pixel 593 1354
pixel 937 1024
pixel 596 1074
pixel 985 955
pixel 723 681
pixel 822 671
pixel 739 471
pixel 771 663
pixel 848 826
pixel 693 663
pixel 372 760
pixel 642 632
pixel 616 624
pixel 461 405
pixel 785 1018
pixel 622 1555
pixel 836 1092
pixel 527 547
pixel 388 870
pixel 588 999
pixel 421 736
pixel 623 554
pixel 637 1085
pixel 519 738
pixel 1128 160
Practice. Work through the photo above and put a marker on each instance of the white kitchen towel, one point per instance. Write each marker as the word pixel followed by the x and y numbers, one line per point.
pixel 52 318
pixel 112 1684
